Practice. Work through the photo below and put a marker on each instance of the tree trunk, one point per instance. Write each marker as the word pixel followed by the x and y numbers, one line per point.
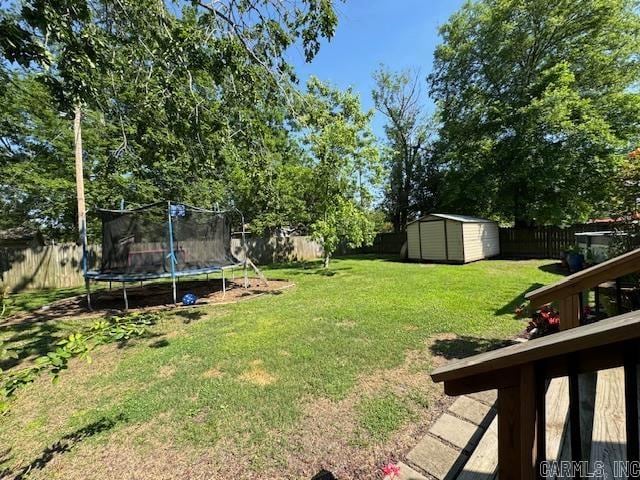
pixel 521 217
pixel 325 263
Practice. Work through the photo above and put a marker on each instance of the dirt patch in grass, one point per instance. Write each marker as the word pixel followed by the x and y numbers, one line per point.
pixel 166 371
pixel 212 373
pixel 152 297
pixel 258 375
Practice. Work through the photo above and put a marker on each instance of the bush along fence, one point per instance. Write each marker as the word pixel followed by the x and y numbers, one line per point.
pixel 543 242
pixel 60 266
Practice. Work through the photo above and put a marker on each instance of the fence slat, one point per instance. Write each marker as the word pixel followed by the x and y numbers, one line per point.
pixel 383 244
pixel 542 242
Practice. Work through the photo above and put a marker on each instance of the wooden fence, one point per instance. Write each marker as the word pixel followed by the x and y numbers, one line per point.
pixel 60 266
pixel 542 242
pixel 383 244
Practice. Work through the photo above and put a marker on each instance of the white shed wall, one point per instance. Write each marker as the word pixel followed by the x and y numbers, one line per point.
pixel 433 246
pixel 481 240
pixel 454 237
pixel 413 241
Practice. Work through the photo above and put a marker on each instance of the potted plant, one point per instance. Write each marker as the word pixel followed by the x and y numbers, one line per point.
pixel 575 258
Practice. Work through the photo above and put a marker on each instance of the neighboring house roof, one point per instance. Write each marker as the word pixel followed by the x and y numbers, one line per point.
pixel 632 217
pixel 456 218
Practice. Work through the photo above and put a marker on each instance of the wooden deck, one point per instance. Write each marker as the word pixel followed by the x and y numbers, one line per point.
pixel 463 443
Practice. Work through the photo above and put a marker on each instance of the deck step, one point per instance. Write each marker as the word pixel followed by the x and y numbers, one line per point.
pixel 609 431
pixel 444 450
pixel 557 414
pixel 483 463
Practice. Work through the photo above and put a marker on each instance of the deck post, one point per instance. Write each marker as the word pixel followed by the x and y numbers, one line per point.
pixel 517 425
pixel 570 312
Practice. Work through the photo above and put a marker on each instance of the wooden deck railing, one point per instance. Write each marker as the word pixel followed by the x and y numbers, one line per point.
pixel 520 373
pixel 568 292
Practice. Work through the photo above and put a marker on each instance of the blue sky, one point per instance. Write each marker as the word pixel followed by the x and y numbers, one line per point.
pixel 398 33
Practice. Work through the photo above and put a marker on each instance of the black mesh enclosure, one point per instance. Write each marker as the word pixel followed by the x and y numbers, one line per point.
pixel 140 241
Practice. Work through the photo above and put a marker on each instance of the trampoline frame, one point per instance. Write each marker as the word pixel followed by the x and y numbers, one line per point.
pixel 125 278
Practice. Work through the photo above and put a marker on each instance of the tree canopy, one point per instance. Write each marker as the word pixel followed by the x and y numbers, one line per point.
pixel 412 173
pixel 192 101
pixel 343 162
pixel 538 104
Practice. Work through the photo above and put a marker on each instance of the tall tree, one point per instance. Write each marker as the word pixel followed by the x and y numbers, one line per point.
pixel 397 96
pixel 537 104
pixel 185 100
pixel 342 157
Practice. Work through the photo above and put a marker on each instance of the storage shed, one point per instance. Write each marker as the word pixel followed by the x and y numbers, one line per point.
pixel 440 237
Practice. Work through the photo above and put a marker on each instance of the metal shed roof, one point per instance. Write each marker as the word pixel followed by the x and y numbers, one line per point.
pixel 456 218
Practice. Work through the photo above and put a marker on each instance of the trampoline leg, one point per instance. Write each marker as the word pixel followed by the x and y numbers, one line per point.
pixel 224 286
pixel 175 297
pixel 88 287
pixel 246 280
pixel 124 294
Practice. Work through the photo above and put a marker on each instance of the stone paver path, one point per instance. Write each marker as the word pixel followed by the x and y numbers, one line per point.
pixel 464 436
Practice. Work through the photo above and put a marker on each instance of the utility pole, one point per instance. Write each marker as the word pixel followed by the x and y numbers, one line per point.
pixel 77 134
pixel 82 211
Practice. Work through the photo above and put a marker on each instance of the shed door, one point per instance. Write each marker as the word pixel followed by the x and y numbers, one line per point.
pixel 433 240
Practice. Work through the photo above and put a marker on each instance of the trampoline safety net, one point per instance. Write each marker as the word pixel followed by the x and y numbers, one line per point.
pixel 145 240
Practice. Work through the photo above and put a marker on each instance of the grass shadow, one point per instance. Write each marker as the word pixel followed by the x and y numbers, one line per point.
pixel 313 267
pixel 383 257
pixel 160 343
pixel 189 316
pixel 510 307
pixel 64 445
pixel 31 340
pixel 555 268
pixel 466 346
pixel 324 475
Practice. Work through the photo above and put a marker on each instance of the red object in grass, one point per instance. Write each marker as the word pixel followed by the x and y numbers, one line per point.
pixel 544 321
pixel 391 470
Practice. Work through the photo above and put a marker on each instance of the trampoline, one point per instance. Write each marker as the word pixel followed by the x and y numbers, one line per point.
pixel 165 240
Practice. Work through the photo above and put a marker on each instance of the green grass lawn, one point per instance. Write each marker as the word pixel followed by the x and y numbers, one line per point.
pixel 331 373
